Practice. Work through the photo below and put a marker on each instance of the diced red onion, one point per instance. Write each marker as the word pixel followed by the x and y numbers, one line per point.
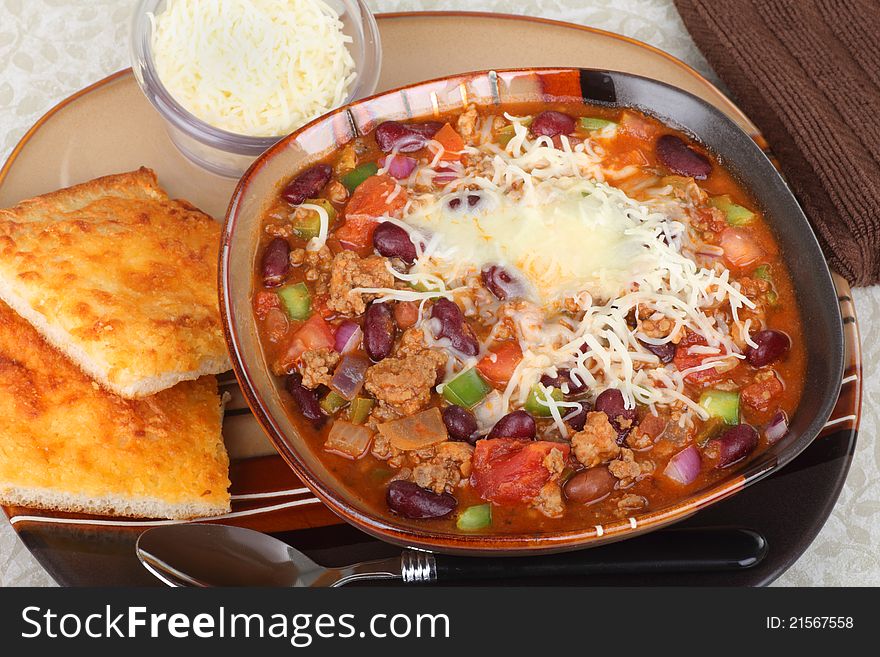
pixel 348 337
pixel 777 427
pixel 399 167
pixel 348 378
pixel 684 466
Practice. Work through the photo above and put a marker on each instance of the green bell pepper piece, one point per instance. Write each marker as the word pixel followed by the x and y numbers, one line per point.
pixel 736 215
pixel 467 389
pixel 591 123
pixel 721 403
pixel 307 223
pixel 535 407
pixel 475 517
pixel 297 301
pixel 360 409
pixel 333 403
pixel 356 176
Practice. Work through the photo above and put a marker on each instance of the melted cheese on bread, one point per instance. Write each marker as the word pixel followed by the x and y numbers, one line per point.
pixel 67 444
pixel 120 278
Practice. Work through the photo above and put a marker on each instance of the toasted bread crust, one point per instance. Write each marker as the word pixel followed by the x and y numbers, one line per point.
pixel 68 444
pixel 120 278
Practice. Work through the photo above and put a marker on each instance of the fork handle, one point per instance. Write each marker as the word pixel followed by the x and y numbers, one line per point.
pixel 668 551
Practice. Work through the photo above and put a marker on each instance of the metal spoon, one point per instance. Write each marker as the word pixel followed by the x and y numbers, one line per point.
pixel 221 555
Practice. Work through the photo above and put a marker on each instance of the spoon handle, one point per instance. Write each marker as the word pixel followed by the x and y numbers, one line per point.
pixel 668 551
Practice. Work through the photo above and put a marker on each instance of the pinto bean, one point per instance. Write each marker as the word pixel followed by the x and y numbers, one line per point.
pixel 275 262
pixel 589 486
pixel 308 184
pixel 406 314
pixel 412 501
pixel 379 331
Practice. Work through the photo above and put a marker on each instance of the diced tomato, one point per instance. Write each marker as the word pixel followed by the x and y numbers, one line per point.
pixel 499 363
pixel 371 198
pixel 264 301
pixel 508 471
pixel 763 391
pixel 653 425
pixel 452 143
pixel 356 234
pixel 315 333
pixel 740 250
pixel 684 360
pixel 637 126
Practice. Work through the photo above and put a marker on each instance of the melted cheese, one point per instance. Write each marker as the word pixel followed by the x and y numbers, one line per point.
pixel 253 67
pixel 581 241
pixel 546 213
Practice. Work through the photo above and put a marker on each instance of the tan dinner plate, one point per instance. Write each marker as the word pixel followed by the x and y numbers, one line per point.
pixel 110 127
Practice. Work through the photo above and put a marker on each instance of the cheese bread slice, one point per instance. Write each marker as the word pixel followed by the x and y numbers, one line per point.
pixel 120 278
pixel 68 444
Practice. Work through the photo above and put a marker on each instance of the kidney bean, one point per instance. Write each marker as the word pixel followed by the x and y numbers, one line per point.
pixel 306 400
pixel 404 137
pixel 611 403
pixel 454 327
pixel 307 184
pixel 589 486
pixel 502 283
pixel 579 419
pixel 460 423
pixel 392 241
pixel 275 262
pixel 550 124
pixel 563 377
pixel 518 424
pixel 379 331
pixel 665 352
pixel 681 158
pixel 735 444
pixel 772 345
pixel 412 501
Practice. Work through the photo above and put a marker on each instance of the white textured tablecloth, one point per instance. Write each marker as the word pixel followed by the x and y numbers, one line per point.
pixel 51 48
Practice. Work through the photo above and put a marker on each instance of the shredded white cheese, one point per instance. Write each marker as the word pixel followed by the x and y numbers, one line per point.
pixel 253 67
pixel 545 214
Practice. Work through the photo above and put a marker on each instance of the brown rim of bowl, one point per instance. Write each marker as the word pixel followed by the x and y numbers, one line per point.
pixel 376 524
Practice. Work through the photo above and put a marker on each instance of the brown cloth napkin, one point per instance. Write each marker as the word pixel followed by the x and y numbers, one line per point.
pixel 807 72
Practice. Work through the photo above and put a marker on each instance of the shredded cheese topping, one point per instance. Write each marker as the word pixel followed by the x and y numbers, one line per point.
pixel 253 67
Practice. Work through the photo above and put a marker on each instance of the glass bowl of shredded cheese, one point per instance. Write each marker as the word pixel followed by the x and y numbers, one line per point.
pixel 232 77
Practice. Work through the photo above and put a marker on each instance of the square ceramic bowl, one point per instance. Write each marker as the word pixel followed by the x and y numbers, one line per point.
pixel 815 291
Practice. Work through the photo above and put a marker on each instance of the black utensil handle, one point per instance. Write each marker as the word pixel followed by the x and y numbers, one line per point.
pixel 667 551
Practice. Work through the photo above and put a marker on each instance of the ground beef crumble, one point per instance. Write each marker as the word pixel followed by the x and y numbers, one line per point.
pixel 597 442
pixel 316 367
pixel 402 383
pixel 438 468
pixel 349 271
